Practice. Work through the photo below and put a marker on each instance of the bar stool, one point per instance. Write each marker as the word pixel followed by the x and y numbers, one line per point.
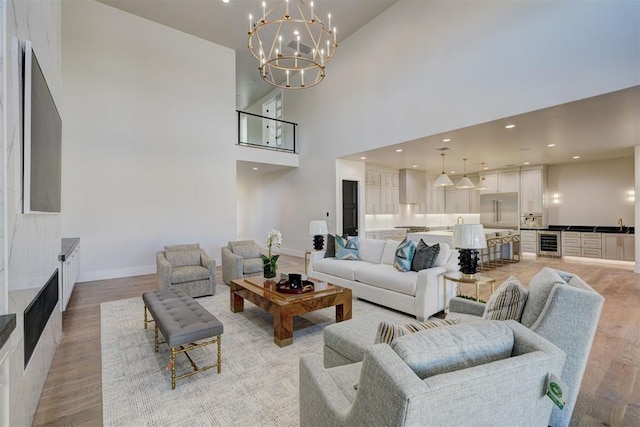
pixel 494 247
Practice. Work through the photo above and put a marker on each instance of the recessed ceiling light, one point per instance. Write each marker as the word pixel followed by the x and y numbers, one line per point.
pixel 363 158
pixel 399 150
pixel 551 145
pixel 452 172
pixel 414 166
pixel 576 157
pixel 446 140
pixel 509 126
pixel 255 169
pixel 225 1
pixel 526 163
pixel 485 168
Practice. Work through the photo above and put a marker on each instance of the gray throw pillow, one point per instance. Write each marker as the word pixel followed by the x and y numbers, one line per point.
pixel 248 251
pixel 330 247
pixel 183 258
pixel 425 256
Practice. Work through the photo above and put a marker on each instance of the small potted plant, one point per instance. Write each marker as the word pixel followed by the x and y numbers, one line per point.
pixel 270 261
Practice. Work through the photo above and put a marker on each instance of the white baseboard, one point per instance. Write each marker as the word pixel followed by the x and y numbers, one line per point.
pixel 90 276
pixel 291 252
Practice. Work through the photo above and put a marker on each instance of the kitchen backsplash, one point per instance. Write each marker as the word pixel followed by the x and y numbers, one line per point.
pixel 373 222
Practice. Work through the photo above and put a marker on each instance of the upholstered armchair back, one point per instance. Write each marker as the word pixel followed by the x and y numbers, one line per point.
pixel 241 258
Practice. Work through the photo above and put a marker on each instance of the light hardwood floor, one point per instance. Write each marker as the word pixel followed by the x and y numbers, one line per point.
pixel 609 396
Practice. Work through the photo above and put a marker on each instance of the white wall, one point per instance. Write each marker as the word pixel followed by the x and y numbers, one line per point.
pixel 149 135
pixel 423 68
pixel 32 241
pixel 592 193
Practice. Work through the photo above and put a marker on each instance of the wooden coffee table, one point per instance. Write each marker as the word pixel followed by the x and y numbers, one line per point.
pixel 284 307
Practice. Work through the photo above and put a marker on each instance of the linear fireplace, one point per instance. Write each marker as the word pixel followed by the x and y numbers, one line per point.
pixel 37 314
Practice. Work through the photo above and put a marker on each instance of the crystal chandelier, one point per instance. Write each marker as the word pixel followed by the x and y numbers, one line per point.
pixel 291 44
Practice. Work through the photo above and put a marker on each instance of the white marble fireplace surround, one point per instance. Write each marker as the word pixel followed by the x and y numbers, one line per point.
pixel 32 241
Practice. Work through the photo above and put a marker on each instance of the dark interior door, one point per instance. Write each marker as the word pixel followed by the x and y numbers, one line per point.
pixel 350 208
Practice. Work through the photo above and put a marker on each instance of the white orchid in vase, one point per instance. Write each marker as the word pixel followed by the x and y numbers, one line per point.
pixel 270 261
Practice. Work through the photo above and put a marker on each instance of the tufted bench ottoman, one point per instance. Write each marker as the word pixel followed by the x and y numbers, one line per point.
pixel 182 322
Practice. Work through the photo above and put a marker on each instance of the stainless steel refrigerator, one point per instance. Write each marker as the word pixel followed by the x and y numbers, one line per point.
pixel 499 210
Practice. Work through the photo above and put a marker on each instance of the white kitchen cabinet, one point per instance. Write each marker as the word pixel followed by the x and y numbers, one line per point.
pixel 531 191
pixel 435 198
pixel 373 177
pixel 372 204
pixel 501 182
pixel 389 179
pixel 389 200
pixel 529 241
pixel 618 246
pixel 508 182
pixel 571 243
pixel 591 245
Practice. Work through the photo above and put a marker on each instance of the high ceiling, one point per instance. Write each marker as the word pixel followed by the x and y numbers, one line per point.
pixel 226 24
pixel 602 127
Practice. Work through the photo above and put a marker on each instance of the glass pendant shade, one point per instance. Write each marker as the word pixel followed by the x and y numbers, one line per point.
pixel 465 182
pixel 482 185
pixel 443 179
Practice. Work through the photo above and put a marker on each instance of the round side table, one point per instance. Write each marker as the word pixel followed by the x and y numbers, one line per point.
pixel 457 278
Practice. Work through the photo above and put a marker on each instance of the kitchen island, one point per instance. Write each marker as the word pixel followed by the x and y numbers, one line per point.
pixel 503 245
pixel 446 236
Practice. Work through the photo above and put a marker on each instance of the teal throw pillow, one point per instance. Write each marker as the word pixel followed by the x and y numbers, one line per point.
pixel 404 255
pixel 347 249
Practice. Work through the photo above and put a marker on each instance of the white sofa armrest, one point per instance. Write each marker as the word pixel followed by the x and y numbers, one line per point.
pixel 314 256
pixel 429 292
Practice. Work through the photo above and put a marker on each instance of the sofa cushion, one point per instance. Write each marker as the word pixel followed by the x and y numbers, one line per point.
pixel 347 249
pixel 189 273
pixel 507 302
pixel 183 258
pixel 388 331
pixel 330 249
pixel 387 277
pixel 248 251
pixel 404 255
pixel 370 250
pixel 439 350
pixel 425 256
pixel 252 265
pixel 341 268
pixel 443 255
pixel 539 289
pixel 389 253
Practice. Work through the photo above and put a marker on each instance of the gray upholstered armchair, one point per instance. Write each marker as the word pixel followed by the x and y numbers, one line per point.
pixel 187 267
pixel 478 374
pixel 241 259
pixel 563 309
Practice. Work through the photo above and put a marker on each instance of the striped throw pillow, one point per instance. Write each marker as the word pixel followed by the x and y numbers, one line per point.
pixel 388 332
pixel 507 302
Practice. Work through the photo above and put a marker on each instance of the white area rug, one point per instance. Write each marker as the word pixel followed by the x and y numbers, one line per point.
pixel 259 380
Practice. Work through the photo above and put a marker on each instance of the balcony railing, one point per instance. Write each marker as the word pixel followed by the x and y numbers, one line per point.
pixel 266 132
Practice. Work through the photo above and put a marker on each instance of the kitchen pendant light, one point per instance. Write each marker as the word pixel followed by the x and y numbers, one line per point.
pixel 482 184
pixel 465 182
pixel 443 179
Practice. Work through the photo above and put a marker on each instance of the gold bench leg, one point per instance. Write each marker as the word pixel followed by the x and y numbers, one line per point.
pixel 219 354
pixel 155 332
pixel 173 368
pixel 145 316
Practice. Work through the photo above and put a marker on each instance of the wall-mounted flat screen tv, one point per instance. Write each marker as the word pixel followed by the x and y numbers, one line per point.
pixel 42 148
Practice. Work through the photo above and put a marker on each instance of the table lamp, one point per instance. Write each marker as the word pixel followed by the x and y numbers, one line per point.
pixel 468 238
pixel 318 229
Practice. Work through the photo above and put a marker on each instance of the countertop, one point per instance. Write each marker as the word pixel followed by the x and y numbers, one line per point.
pixel 593 229
pixel 68 245
pixel 489 232
pixel 7 325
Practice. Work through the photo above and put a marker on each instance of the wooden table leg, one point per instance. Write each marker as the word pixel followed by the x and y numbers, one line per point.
pixel 283 329
pixel 343 311
pixel 237 302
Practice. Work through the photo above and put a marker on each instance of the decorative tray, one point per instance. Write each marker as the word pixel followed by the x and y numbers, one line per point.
pixel 283 286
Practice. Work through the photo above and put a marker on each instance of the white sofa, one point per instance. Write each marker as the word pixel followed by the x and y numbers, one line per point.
pixel 374 278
